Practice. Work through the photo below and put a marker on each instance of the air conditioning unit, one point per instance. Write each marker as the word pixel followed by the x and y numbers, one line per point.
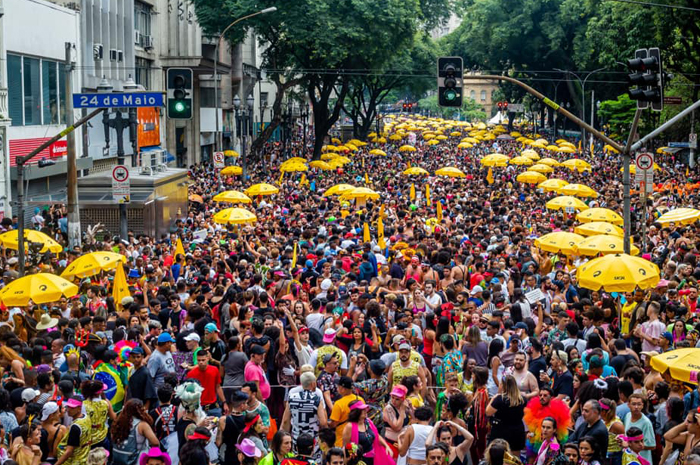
pixel 112 54
pixel 148 42
pixel 120 56
pixel 137 37
pixel 98 52
pixel 152 161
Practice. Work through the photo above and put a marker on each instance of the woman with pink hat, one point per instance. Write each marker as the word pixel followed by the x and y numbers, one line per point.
pixel 360 430
pixel 154 456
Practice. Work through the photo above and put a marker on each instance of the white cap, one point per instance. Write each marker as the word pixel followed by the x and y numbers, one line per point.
pixel 326 284
pixel 476 290
pixel 192 337
pixel 49 409
pixel 29 394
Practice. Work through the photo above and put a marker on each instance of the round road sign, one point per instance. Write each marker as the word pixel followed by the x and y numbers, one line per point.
pixel 644 161
pixel 120 173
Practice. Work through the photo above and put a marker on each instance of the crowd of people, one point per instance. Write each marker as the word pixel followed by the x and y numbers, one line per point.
pixel 295 340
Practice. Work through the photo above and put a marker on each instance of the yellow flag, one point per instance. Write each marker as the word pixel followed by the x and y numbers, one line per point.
pixel 279 181
pixel 179 249
pixel 304 181
pixel 579 146
pixel 439 211
pixel 380 234
pixel 592 147
pixel 363 162
pixel 489 176
pixel 366 179
pixel 366 236
pixel 381 211
pixel 120 288
pixel 427 194
pixel 412 195
pixel 687 172
pixel 294 257
pixel 409 163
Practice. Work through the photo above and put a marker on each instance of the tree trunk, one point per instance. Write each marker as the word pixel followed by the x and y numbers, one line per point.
pixel 260 141
pixel 324 118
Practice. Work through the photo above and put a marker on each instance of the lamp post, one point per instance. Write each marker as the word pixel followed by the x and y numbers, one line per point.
pixel 304 115
pixel 243 117
pixel 272 9
pixel 582 83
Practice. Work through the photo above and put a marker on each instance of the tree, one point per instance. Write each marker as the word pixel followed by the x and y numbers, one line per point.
pixel 618 114
pixel 469 111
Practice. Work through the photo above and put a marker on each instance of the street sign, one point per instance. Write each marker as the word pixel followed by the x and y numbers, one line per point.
pixel 219 160
pixel 646 176
pixel 693 141
pixel 679 145
pixel 121 186
pixel 644 161
pixel 118 100
pixel 673 100
pixel 515 108
pixel 646 187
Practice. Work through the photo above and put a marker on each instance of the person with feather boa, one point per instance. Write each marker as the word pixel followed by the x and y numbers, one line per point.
pixel 539 408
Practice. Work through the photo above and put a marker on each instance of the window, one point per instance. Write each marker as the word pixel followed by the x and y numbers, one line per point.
pixel 36 91
pixel 142 22
pixel 263 98
pixel 143 72
pixel 206 97
pixel 472 95
pixel 483 95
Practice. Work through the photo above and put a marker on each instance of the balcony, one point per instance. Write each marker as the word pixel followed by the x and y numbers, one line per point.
pixel 4 115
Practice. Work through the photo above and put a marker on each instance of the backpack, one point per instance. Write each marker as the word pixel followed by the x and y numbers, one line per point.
pixel 126 452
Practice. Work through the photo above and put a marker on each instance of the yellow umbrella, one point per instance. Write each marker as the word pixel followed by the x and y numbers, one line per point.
pixel 92 263
pixel 441 137
pixel 433 142
pixel 618 273
pixel 381 140
pixel 329 156
pixel 681 363
pixel 455 134
pixel 600 214
pixel 578 190
pixel 377 152
pixel 549 162
pixel 293 168
pixel 470 140
pixel 603 244
pixel 552 185
pixel 352 147
pixel 415 171
pixel 577 164
pixel 609 148
pixel 230 153
pixel 464 145
pixel 428 136
pixel 40 288
pixel 450 171
pixel 9 239
pixel 232 171
pixel 320 164
pixel 678 216
pixel 521 161
pixel 598 227
pixel 329 148
pixel 531 177
pixel 563 202
pixel 560 241
pixel 341 159
pixel 360 193
pixel 541 168
pixel 663 150
pixel 552 148
pixel 294 160
pixel 338 189
pixel 232 197
pixel 261 189
pixel 342 148
pixel 336 141
pixel 515 134
pixel 235 216
pixel 395 137
pixel 494 159
pixel 633 168
pixel 567 149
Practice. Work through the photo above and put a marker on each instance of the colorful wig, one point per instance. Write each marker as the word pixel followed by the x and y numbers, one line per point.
pixel 535 412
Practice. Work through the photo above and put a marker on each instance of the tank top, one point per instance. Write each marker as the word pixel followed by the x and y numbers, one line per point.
pixel 416 450
pixel 400 372
pixel 428 346
pixel 613 445
pixel 81 452
pixel 97 411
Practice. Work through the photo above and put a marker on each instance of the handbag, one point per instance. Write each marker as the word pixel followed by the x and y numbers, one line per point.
pixel 674 458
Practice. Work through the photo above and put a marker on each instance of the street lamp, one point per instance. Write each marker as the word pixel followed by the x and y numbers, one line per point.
pixel 582 83
pixel 272 9
pixel 304 115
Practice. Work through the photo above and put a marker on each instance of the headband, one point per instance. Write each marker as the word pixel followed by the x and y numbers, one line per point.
pixel 603 406
pixel 252 422
pixel 194 436
pixel 631 438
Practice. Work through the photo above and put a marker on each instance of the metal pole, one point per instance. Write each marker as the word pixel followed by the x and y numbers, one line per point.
pixel 627 214
pixel 592 115
pixel 217 141
pixel 20 215
pixel 665 126
pixel 691 157
pixel 245 158
pixel 119 126
pixel 72 165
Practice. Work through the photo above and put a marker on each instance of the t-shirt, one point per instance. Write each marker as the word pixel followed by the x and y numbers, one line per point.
pixel 647 430
pixel 234 368
pixel 141 387
pixel 653 329
pixel 159 364
pixel 303 407
pixel 341 410
pixel 536 365
pixel 209 379
pixel 563 384
pixel 254 373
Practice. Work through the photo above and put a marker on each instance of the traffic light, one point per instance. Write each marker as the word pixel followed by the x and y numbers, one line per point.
pixel 450 71
pixel 180 87
pixel 646 79
pixel 405 107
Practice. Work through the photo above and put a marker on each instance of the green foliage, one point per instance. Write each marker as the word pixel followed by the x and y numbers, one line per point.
pixel 618 114
pixel 470 110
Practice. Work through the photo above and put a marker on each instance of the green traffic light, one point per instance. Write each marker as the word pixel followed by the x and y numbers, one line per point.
pixel 450 95
pixel 179 107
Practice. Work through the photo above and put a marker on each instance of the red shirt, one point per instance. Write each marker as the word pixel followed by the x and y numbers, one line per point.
pixel 209 379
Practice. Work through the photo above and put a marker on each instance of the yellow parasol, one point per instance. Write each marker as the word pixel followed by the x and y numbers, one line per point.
pixel 560 241
pixel 603 244
pixel 407 148
pixel 321 165
pixel 494 159
pixel 679 216
pixel 232 171
pixel 552 185
pixel 541 168
pixel 565 201
pixel 9 239
pixel 531 177
pixel 377 152
pixel 600 214
pixel 360 193
pixel 578 190
pixel 338 189
pixel 681 363
pixel 549 162
pixel 618 273
pixel 293 168
pixel 40 288
pixel 92 263
pixel 521 161
pixel 415 171
pixel 235 216
pixel 598 227
pixel 450 171
pixel 261 189
pixel 232 197
pixel 577 164
pixel 230 153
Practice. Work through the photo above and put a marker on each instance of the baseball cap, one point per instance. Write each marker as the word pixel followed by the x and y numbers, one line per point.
pixel 303 329
pixel 75 401
pixel 404 346
pixel 520 325
pixel 48 409
pixel 165 337
pixel 29 394
pixel 256 349
pixel 138 351
pixel 329 336
pixel 397 339
pixel 345 381
pixel 211 328
pixel 193 337
pixel 476 290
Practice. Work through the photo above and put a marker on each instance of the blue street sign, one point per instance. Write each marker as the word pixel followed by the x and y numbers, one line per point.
pixel 679 145
pixel 118 100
